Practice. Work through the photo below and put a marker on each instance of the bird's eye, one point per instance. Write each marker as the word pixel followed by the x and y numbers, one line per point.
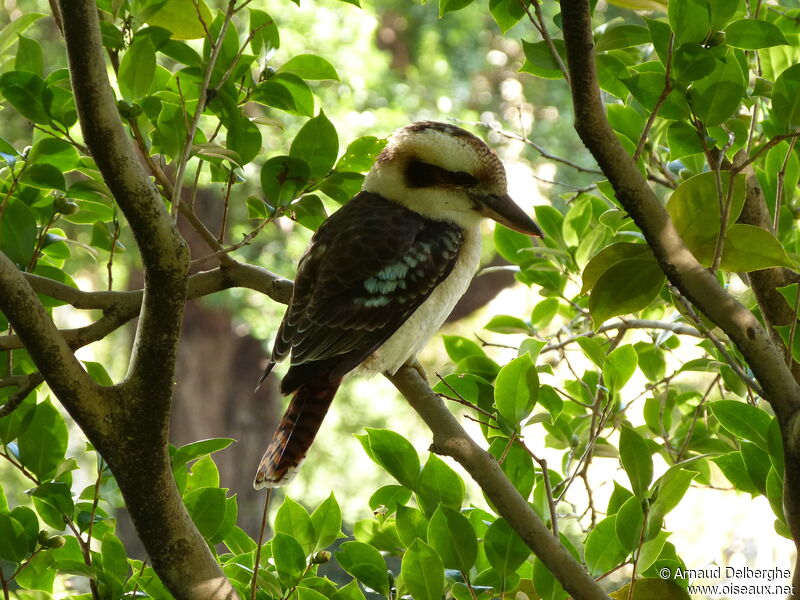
pixel 463 178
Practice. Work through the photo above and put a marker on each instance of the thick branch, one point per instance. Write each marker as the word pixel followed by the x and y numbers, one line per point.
pixel 164 254
pixel 678 263
pixel 450 439
pixel 121 307
pixel 765 283
pixel 53 357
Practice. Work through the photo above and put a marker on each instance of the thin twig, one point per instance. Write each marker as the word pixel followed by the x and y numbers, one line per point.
pixel 661 99
pixel 779 186
pixel 257 558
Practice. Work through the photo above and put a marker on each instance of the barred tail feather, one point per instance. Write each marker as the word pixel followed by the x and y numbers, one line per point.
pixel 295 433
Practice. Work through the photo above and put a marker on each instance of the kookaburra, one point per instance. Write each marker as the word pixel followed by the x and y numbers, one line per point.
pixel 382 274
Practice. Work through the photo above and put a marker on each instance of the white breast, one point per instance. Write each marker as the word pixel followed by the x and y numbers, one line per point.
pixel 428 318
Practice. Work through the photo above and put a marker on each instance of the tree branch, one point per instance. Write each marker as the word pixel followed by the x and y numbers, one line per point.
pixel 120 307
pixel 450 439
pixel 764 357
pixel 165 257
pixel 53 357
pixel 675 259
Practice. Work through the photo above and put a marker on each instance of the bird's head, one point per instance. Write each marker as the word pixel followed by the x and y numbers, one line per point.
pixel 444 172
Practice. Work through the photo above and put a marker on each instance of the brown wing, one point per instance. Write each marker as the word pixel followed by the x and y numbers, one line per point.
pixel 367 269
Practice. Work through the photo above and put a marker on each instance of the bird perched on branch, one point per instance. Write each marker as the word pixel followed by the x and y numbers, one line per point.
pixel 382 274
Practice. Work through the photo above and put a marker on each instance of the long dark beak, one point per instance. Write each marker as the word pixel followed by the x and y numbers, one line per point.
pixel 506 212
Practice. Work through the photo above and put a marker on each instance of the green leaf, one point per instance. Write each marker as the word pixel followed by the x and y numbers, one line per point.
pixel 539 61
pixel 593 349
pixel 507 324
pixel 28 93
pixel 747 248
pixel 114 557
pixel 603 551
pixel 620 366
pixel 53 500
pixel 266 36
pixel 458 348
pixel 622 36
pixel 55 152
pixel 309 66
pixel 366 564
pixel 516 389
pixel 18 232
pixel 742 420
pixel 287 92
pixel 509 243
pixel 283 178
pixel 327 522
pixel 439 484
pixel 506 13
pixel 452 536
pixel 692 62
pixel 9 33
pixel 683 140
pixel 44 176
pixel 360 154
pixel 608 257
pixel 718 95
pixel 670 489
pixel 396 455
pixel 752 34
pixel 308 211
pixel 628 286
pixel 29 56
pixel 43 443
pixel 446 6
pixel 13 539
pixel 628 523
pixel 544 312
pixel 349 592
pixel 694 208
pixel 732 466
pixel 390 496
pixel 137 68
pixel 636 459
pixel 517 464
pixel 689 19
pixel 181 18
pixel 786 99
pixel 294 520
pixel 422 572
pixel 195 450
pixel 411 524
pixel 207 509
pixel 504 548
pixel 290 561
pixel 317 143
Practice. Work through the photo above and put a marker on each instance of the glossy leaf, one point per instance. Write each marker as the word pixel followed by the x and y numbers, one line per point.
pixel 516 389
pixel 422 572
pixel 394 453
pixel 453 538
pixel 309 66
pixel 43 443
pixel 752 34
pixel 628 286
pixel 317 144
pixel 636 459
pixel 742 420
pixel 786 99
pixel 439 484
pixel 504 548
pixel 294 520
pixel 366 564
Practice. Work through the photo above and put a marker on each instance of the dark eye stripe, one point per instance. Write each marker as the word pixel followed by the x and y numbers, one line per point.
pixel 421 174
